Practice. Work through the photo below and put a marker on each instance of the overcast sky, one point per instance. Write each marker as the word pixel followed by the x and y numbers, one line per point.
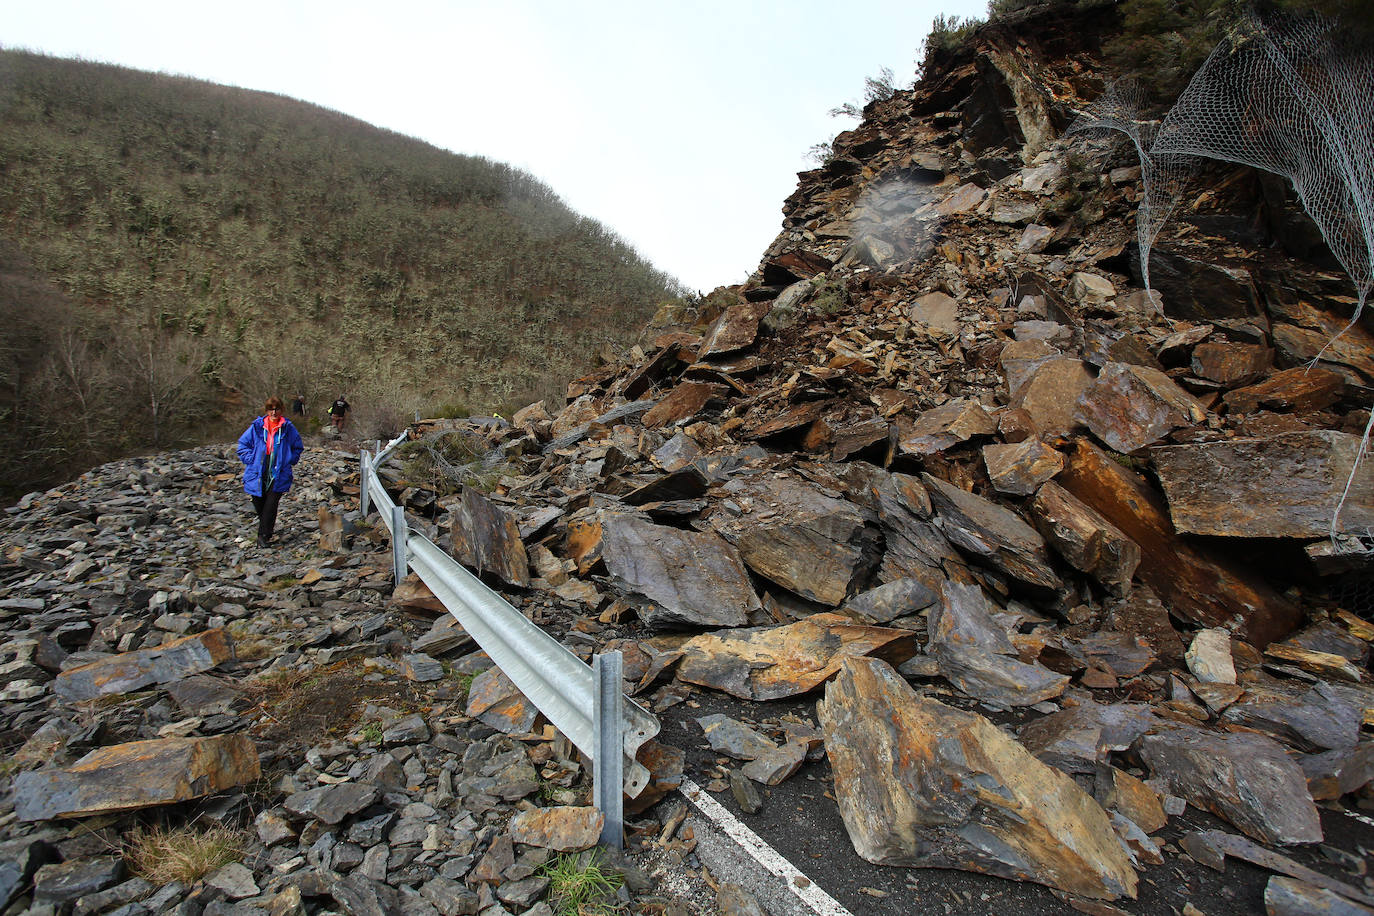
pixel 679 125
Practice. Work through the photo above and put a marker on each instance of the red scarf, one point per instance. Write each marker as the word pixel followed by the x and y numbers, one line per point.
pixel 271 426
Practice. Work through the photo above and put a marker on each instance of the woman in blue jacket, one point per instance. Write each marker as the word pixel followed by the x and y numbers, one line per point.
pixel 269 450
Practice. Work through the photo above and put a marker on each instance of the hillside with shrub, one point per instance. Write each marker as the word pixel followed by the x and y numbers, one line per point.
pixel 171 251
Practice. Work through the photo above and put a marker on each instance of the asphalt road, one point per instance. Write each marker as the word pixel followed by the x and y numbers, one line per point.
pixel 801 821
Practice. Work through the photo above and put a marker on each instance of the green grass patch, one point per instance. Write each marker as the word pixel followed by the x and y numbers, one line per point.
pixel 580 886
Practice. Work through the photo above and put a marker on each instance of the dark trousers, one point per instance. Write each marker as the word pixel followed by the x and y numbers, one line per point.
pixel 266 508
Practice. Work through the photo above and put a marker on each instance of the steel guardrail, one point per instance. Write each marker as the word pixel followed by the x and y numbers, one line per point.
pixel 557 682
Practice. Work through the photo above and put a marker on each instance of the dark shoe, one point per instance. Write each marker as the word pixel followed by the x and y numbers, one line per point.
pixel 260 542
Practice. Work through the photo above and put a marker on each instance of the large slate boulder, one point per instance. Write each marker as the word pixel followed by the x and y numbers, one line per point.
pixel 924 785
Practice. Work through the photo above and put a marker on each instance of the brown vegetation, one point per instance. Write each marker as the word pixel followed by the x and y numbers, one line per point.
pixel 171 251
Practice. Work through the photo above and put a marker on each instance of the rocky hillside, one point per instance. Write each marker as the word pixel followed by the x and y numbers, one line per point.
pixel 1016 569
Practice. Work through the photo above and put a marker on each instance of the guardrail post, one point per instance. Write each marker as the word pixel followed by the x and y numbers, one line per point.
pixel 364 469
pixel 398 544
pixel 608 766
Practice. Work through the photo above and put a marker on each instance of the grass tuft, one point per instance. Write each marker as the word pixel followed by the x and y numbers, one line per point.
pixel 163 855
pixel 579 886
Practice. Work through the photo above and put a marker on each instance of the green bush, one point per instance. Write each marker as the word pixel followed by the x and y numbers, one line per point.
pixel 947 35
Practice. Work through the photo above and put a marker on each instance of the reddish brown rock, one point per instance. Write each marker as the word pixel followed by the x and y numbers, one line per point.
pixel 1120 791
pixel 937 312
pixel 139 774
pixel 1083 537
pixel 1300 388
pixel 487 540
pixel 1284 486
pixel 791 533
pixel 1020 468
pixel 1194 583
pixel 1050 395
pixel 769 663
pixel 663 365
pixel 962 199
pixel 945 426
pixel 923 785
pixel 1353 347
pixel 413 595
pixel 1231 364
pixel 1015 424
pixel 1129 407
pixel 851 438
pixel 564 829
pixel 495 700
pixel 793 418
pixel 735 329
pixel 684 401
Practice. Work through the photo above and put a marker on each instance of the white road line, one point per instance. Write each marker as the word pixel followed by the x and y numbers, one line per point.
pixel 1359 817
pixel 765 855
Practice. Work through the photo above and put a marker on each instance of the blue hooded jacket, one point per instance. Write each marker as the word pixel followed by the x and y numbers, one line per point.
pixel 252 451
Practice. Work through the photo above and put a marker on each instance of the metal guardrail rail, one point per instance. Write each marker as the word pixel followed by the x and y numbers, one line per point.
pixel 583 702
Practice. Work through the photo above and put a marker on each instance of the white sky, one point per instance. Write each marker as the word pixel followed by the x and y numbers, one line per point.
pixel 679 125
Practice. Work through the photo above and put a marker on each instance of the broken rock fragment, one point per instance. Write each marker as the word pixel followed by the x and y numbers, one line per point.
pixel 890 601
pixel 138 774
pixel 1193 582
pixel 1283 486
pixel 769 663
pixel 1085 538
pixel 945 426
pixel 563 829
pixel 1129 407
pixel 993 534
pixel 923 785
pixel 976 655
pixel 795 535
pixel 1209 657
pixel 142 668
pixel 486 539
pixel 1243 778
pixel 689 577
pixel 1020 468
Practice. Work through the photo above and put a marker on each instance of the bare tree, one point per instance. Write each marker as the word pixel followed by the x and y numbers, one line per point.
pixel 162 370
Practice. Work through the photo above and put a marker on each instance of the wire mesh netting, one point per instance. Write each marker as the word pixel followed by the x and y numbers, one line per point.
pixel 1292 94
pixel 1164 176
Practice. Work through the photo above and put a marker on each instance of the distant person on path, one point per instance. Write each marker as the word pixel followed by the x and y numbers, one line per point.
pixel 269 450
pixel 338 412
pixel 298 406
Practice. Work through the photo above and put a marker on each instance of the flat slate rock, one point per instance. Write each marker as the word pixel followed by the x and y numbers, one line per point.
pixel 487 540
pixel 1245 779
pixel 142 668
pixel 563 829
pixel 331 804
pixel 689 577
pixel 993 534
pixel 139 774
pixel 793 534
pixel 1282 486
pixel 1194 582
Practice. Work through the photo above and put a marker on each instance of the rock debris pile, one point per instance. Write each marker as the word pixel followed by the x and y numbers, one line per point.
pixel 938 466
pixel 161 673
